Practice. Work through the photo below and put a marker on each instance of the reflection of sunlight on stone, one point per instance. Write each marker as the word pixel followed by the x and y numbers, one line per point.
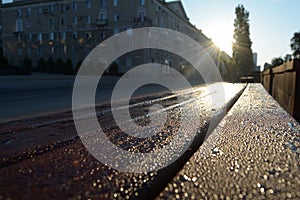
pixel 219 98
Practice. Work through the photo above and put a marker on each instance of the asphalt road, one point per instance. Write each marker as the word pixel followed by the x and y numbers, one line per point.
pixel 29 96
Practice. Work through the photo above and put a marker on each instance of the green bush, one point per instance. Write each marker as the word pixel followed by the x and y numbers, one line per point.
pixel 113 69
pixel 26 63
pixel 59 65
pixel 50 65
pixel 3 60
pixel 78 64
pixel 41 65
pixel 69 67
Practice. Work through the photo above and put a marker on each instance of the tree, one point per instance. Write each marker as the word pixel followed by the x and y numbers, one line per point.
pixel 69 67
pixel 277 61
pixel 287 57
pixel 295 45
pixel 41 65
pixel 26 63
pixel 113 69
pixel 241 47
pixel 50 65
pixel 267 66
pixel 78 65
pixel 59 65
pixel 3 59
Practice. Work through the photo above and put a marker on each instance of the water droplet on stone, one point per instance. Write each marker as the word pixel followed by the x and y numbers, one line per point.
pixel 215 150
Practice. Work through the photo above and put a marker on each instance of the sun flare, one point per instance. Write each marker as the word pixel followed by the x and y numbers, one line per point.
pixel 222 34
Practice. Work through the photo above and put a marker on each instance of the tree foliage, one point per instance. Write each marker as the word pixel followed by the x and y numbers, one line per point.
pixel 277 62
pixel 287 58
pixel 50 65
pixel 69 67
pixel 241 47
pixel 42 63
pixel 59 65
pixel 113 69
pixel 267 66
pixel 27 64
pixel 295 45
pixel 3 60
pixel 78 65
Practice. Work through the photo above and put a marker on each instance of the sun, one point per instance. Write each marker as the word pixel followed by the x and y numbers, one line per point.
pixel 221 34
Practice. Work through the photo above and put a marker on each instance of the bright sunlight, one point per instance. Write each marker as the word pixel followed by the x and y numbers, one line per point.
pixel 221 34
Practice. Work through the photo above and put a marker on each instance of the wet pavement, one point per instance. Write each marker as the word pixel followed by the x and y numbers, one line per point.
pixel 43 158
pixel 252 154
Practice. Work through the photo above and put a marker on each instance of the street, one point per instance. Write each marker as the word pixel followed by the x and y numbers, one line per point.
pixel 29 96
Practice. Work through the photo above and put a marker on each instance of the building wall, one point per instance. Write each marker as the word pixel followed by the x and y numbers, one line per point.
pixel 71 29
pixel 0 24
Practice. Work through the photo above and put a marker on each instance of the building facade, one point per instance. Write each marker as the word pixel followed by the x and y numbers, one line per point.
pixel 70 29
pixel 1 26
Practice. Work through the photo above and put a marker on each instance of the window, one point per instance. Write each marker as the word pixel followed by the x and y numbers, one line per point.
pixel 19 13
pixel 65 49
pixel 40 49
pixel 51 36
pixel 63 35
pixel 75 35
pixel 50 23
pixel 39 10
pixel 88 19
pixel 142 15
pixel 39 23
pixel 103 35
pixel 63 7
pixel 142 2
pixel 88 4
pixel 75 20
pixel 29 37
pixel 28 24
pixel 20 51
pixel 51 49
pixel 40 37
pixel 63 21
pixel 102 3
pixel 103 15
pixel 28 51
pixel 19 25
pixel 116 17
pixel 51 9
pixel 74 6
pixel 19 38
pixel 116 2
pixel 28 12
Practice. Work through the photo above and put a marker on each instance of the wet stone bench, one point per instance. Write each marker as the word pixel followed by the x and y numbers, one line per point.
pixel 253 153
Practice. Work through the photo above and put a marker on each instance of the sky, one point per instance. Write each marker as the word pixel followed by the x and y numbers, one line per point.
pixel 272 24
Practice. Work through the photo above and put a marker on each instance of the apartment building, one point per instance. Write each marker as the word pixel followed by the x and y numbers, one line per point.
pixel 70 29
pixel 1 25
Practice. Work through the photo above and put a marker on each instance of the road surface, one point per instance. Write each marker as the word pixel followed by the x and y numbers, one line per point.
pixel 28 96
